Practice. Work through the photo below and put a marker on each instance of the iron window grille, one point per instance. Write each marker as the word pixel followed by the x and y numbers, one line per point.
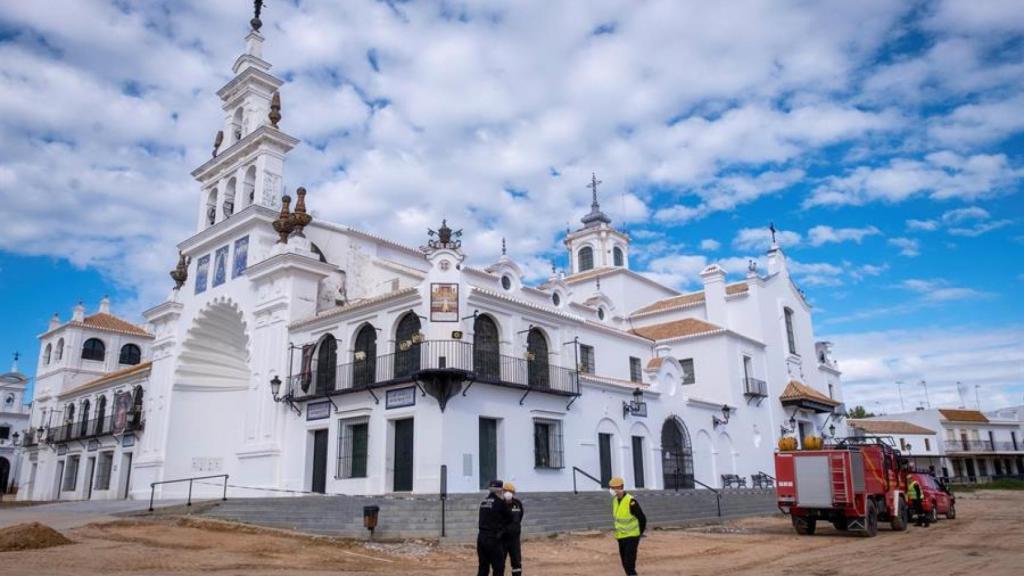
pixel 634 370
pixel 105 465
pixel 547 444
pixel 587 358
pixel 353 444
pixel 94 349
pixel 130 355
pixel 586 258
pixel 689 376
pixel 70 474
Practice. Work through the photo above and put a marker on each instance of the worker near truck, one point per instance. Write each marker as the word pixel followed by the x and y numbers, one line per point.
pixel 630 524
pixel 512 543
pixel 916 495
pixel 494 520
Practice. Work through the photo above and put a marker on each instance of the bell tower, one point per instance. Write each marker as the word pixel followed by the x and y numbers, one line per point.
pixel 247 164
pixel 597 244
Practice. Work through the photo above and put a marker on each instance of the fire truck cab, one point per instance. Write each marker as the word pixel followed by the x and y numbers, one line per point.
pixel 854 483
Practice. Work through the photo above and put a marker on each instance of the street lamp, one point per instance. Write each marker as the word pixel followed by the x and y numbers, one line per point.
pixel 832 430
pixel 275 386
pixel 715 420
pixel 792 426
pixel 637 406
pixel 275 390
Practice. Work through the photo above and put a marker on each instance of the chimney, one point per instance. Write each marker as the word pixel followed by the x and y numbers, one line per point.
pixel 714 294
pixel 54 321
pixel 79 312
pixel 105 305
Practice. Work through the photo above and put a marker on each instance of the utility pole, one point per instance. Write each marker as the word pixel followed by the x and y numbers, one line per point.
pixel 927 401
pixel 899 389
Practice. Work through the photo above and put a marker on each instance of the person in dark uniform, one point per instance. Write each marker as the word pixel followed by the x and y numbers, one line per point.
pixel 630 524
pixel 495 519
pixel 513 546
pixel 916 496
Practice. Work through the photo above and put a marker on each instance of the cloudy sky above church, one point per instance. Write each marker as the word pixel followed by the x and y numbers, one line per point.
pixel 884 139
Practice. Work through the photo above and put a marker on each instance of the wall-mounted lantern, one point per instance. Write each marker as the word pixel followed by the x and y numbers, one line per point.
pixel 275 391
pixel 636 407
pixel 716 421
pixel 792 426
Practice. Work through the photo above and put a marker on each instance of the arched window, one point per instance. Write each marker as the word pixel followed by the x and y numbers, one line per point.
pixel 60 349
pixel 618 257
pixel 69 414
pixel 537 375
pixel 83 427
pixel 101 414
pixel 407 356
pixel 229 197
pixel 46 354
pixel 677 453
pixel 364 361
pixel 326 364
pixel 136 418
pixel 249 186
pixel 236 125
pixel 585 258
pixel 486 357
pixel 94 349
pixel 130 355
pixel 211 208
pixel 790 334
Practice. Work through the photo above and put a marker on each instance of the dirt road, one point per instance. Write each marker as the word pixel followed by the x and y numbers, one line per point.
pixel 987 538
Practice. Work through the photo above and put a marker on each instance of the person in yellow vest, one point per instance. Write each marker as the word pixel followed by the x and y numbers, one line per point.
pixel 630 524
pixel 916 495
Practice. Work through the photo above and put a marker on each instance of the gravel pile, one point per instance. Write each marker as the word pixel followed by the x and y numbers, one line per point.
pixel 30 536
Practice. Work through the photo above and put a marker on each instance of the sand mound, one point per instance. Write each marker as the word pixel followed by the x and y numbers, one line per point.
pixel 29 537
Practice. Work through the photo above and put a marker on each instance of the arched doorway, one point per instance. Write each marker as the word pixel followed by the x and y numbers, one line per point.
pixel 407 353
pixel 486 348
pixel 537 375
pixel 676 455
pixel 5 473
pixel 326 365
pixel 364 357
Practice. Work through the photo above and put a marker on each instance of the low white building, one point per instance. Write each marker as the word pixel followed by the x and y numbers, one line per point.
pixel 301 355
pixel 14 418
pixel 963 445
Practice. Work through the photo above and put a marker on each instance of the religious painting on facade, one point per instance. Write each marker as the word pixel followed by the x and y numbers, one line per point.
pixel 444 302
pixel 202 272
pixel 122 406
pixel 241 257
pixel 220 266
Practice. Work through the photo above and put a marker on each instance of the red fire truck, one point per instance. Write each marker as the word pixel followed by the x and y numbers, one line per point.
pixel 854 483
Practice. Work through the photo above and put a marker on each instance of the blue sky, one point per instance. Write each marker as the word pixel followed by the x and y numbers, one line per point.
pixel 885 140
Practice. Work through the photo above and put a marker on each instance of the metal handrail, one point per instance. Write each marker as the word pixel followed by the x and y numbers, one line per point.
pixel 152 487
pixel 718 495
pixel 574 471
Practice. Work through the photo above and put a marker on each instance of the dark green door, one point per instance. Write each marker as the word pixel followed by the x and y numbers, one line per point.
pixel 488 450
pixel 638 461
pixel 403 456
pixel 319 461
pixel 605 446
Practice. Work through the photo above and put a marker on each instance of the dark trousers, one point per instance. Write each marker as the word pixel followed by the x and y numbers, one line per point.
pixel 627 553
pixel 490 555
pixel 922 517
pixel 514 550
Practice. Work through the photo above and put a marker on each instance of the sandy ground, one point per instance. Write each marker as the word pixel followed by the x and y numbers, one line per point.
pixel 986 538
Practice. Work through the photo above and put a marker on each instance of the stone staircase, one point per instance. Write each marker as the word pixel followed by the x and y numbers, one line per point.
pixel 420 516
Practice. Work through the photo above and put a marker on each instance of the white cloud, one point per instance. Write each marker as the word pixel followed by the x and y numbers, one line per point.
pixel 710 244
pixel 909 247
pixel 825 234
pixel 963 214
pixel 761 239
pixel 677 270
pixel 922 225
pixel 940 290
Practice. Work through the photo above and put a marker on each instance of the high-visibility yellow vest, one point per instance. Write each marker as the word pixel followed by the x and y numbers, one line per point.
pixel 626 525
pixel 911 492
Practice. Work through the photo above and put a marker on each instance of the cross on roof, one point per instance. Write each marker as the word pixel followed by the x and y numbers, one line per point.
pixel 593 186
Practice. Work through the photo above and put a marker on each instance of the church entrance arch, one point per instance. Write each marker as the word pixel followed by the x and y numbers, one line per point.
pixel 676 455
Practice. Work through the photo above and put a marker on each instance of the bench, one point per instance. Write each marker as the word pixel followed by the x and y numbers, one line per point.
pixel 733 480
pixel 762 480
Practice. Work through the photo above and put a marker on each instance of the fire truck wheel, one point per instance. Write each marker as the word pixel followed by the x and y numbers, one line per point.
pixel 951 513
pixel 901 519
pixel 804 526
pixel 871 522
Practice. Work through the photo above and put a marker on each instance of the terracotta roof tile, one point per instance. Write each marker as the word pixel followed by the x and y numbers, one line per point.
pixel 689 299
pixel 889 427
pixel 655 363
pixel 676 329
pixel 962 415
pixel 107 378
pixel 104 321
pixel 798 391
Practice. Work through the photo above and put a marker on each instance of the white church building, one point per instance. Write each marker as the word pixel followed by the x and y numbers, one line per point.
pixel 307 356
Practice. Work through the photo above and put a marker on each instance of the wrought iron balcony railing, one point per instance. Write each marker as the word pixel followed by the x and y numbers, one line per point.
pixel 755 387
pixel 92 428
pixel 419 359
pixel 968 446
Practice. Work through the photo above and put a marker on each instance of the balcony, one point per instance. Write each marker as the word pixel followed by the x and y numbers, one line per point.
pixel 93 428
pixel 754 388
pixel 422 360
pixel 969 446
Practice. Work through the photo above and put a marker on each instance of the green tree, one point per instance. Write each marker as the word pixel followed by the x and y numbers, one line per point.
pixel 860 412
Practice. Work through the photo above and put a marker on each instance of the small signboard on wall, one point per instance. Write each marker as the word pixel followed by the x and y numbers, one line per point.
pixel 128 441
pixel 318 410
pixel 93 445
pixel 400 398
pixel 62 449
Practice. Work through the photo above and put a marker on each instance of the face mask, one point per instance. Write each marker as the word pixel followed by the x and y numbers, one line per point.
pixel 508 496
pixel 611 491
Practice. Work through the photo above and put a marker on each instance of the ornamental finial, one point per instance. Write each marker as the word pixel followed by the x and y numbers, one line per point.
pixel 256 23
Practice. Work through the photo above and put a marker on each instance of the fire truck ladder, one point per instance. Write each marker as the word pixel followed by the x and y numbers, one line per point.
pixel 840 480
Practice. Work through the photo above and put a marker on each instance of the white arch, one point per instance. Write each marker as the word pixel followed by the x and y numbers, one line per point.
pixel 704 465
pixel 725 460
pixel 215 353
pixel 249 187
